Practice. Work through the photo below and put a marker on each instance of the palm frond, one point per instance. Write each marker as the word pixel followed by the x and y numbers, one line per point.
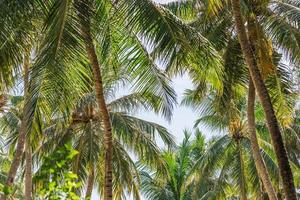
pixel 146 76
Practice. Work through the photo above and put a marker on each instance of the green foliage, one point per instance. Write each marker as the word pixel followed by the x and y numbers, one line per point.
pixel 57 181
pixel 7 190
pixel 131 37
pixel 179 182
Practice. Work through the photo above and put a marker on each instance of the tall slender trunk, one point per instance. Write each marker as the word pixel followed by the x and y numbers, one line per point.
pixel 90 183
pixel 22 131
pixel 273 126
pixel 242 183
pixel 104 115
pixel 258 160
pixel 84 11
pixel 28 153
pixel 28 172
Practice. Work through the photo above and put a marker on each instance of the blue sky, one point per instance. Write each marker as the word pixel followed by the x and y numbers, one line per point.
pixel 183 117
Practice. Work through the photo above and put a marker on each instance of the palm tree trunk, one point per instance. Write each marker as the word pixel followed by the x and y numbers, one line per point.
pixel 258 160
pixel 90 184
pixel 242 183
pixel 17 158
pixel 273 126
pixel 83 8
pixel 28 173
pixel 104 116
pixel 22 133
pixel 28 154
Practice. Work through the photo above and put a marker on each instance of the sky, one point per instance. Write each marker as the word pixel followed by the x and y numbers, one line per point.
pixel 183 117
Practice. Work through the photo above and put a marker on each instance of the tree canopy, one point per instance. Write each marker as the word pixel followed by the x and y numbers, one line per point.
pixel 75 77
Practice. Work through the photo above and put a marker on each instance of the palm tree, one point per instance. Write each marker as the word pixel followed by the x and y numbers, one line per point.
pixel 84 12
pixel 291 141
pixel 10 125
pixel 270 21
pixel 221 107
pixel 21 143
pixel 9 116
pixel 233 83
pixel 17 36
pixel 110 36
pixel 213 169
pixel 29 118
pixel 226 160
pixel 259 162
pixel 17 191
pixel 64 40
pixel 130 133
pixel 285 170
pixel 28 155
pixel 237 143
pixel 234 80
pixel 148 22
pixel 11 54
pixel 128 129
pixel 179 181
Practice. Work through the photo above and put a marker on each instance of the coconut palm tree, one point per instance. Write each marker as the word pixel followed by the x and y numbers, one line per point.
pixel 11 55
pixel 47 108
pixel 237 143
pixel 285 170
pixel 72 28
pixel 223 113
pixel 10 116
pixel 85 131
pixel 131 134
pixel 10 125
pixel 180 180
pixel 213 169
pixel 17 51
pixel 221 106
pixel 233 86
pixel 17 191
pixel 291 140
pixel 268 19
